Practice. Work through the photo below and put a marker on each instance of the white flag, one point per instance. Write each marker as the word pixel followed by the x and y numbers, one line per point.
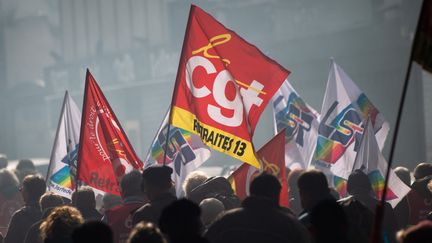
pixel 344 109
pixel 63 159
pixel 372 162
pixel 301 123
pixel 185 152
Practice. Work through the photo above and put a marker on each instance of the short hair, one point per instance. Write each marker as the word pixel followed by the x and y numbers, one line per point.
pixel 34 186
pixel 50 200
pixel 84 197
pixel 266 185
pixel 157 176
pixel 9 183
pixel 146 232
pixel 92 231
pixel 193 180
pixel 25 165
pixel 293 177
pixel 420 233
pixel 60 223
pixel 211 208
pixel 181 218
pixel 404 174
pixel 110 201
pixel 130 184
pixel 313 181
pixel 358 181
pixel 3 162
pixel 422 170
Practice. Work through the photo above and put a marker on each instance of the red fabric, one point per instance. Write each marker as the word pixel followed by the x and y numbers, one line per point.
pixel 120 220
pixel 272 161
pixel 419 207
pixel 220 65
pixel 105 153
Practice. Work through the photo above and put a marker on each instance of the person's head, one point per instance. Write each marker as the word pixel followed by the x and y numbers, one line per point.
pixel 313 187
pixel 193 180
pixel 420 233
pixel 50 200
pixel 33 187
pixel 211 208
pixel 24 168
pixel 9 183
pixel 422 170
pixel 328 222
pixel 91 232
pixel 130 184
pixel 292 182
pixel 3 162
pixel 110 201
pixel 216 186
pixel 146 232
pixel 404 174
pixel 181 220
pixel 358 183
pixel 156 180
pixel 266 185
pixel 60 224
pixel 84 198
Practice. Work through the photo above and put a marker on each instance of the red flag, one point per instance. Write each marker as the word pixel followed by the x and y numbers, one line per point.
pixel 105 153
pixel 223 85
pixel 272 156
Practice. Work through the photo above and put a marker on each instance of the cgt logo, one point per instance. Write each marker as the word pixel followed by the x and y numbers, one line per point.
pixel 294 118
pixel 228 109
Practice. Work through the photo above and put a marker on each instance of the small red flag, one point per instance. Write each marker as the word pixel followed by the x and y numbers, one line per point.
pixel 105 153
pixel 272 156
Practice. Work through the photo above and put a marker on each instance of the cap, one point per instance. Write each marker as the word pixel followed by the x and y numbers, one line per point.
pixel 157 174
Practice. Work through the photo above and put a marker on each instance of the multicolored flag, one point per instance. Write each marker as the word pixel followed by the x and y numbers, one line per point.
pixel 344 109
pixel 105 153
pixel 372 162
pixel 300 122
pixel 271 162
pixel 186 152
pixel 63 161
pixel 223 85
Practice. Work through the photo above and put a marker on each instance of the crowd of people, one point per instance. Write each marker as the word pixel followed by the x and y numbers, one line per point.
pixel 149 211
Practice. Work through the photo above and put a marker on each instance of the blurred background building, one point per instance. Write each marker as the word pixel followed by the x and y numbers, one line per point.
pixel 133 46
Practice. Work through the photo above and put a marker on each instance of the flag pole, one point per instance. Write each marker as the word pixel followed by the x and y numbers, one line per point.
pixel 376 233
pixel 185 40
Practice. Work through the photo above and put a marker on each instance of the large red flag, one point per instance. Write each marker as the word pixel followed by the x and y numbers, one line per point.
pixel 272 156
pixel 223 85
pixel 105 153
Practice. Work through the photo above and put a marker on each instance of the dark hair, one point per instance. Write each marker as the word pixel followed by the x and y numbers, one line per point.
pixel 130 184
pixel 91 232
pixel 50 200
pixel 420 233
pixel 329 222
pixel 181 220
pixel 146 232
pixel 25 164
pixel 313 181
pixel 266 185
pixel 404 174
pixel 422 170
pixel 84 197
pixel 34 186
pixel 358 181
